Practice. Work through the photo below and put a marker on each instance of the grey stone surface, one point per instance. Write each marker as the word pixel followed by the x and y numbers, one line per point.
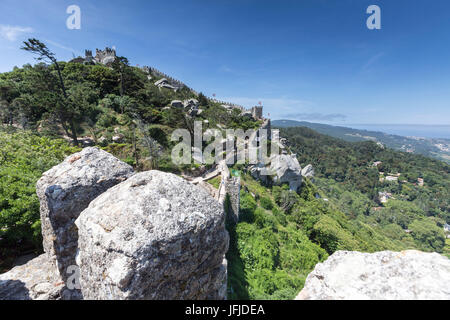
pixel 191 103
pixel 405 275
pixel 66 190
pixel 164 83
pixel 154 236
pixel 282 168
pixel 308 171
pixel 38 279
pixel 233 188
pixel 177 104
pixel 286 169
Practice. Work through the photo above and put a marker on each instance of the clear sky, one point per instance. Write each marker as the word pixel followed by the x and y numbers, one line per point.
pixel 312 60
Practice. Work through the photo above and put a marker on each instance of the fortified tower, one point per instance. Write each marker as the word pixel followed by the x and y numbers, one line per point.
pixel 257 112
pixel 106 56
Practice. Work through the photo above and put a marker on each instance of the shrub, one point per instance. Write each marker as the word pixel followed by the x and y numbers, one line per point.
pixel 24 157
pixel 266 203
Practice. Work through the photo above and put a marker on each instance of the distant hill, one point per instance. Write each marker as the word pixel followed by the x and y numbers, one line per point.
pixel 435 148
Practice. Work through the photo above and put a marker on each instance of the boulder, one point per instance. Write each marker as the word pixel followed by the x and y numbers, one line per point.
pixel 66 190
pixel 38 279
pixel 191 103
pixel 259 172
pixel 382 275
pixel 177 104
pixel 286 169
pixel 118 138
pixel 161 82
pixel 164 83
pixel 195 112
pixel 154 236
pixel 308 171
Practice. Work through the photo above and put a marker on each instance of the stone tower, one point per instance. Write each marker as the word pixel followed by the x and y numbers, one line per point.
pixel 257 112
pixel 88 56
pixel 106 56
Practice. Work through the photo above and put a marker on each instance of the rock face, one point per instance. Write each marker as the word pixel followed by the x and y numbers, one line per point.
pixel 154 236
pixel 66 190
pixel 177 104
pixel 383 275
pixel 282 168
pixel 308 171
pixel 191 103
pixel 36 280
pixel 286 169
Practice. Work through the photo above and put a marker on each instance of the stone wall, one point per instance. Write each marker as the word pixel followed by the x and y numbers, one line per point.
pixel 174 82
pixel 233 189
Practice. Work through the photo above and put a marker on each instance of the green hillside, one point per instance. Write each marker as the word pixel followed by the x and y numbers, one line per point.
pixel 434 148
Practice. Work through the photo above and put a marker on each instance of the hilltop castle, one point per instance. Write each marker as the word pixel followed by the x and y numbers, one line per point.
pixel 105 57
pixel 108 56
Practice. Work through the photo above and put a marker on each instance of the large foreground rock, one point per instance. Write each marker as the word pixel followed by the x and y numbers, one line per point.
pixel 154 236
pixel 36 280
pixel 383 275
pixel 66 190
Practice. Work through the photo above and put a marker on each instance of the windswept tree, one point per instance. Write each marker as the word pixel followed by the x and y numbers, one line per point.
pixel 64 110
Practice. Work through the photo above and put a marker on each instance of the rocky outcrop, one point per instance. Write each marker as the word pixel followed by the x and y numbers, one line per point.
pixel 286 169
pixel 282 168
pixel 164 83
pixel 177 104
pixel 66 190
pixel 259 172
pixel 191 104
pixel 308 171
pixel 36 280
pixel 382 275
pixel 154 236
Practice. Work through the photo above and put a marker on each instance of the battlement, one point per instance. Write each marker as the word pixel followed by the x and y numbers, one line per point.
pixel 229 104
pixel 104 56
pixel 172 81
pixel 257 112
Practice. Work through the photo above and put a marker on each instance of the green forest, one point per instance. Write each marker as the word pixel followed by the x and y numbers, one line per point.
pixel 282 235
pixel 54 108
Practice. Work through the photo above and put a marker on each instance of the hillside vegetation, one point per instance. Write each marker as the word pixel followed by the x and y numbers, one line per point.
pixel 431 147
pixel 354 174
pixel 282 235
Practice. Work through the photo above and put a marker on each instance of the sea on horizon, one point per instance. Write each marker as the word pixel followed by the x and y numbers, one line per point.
pixel 407 130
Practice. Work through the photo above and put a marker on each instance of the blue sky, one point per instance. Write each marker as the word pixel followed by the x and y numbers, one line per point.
pixel 312 60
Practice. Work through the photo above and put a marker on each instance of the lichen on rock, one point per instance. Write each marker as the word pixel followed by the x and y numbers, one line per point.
pixel 154 236
pixel 385 275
